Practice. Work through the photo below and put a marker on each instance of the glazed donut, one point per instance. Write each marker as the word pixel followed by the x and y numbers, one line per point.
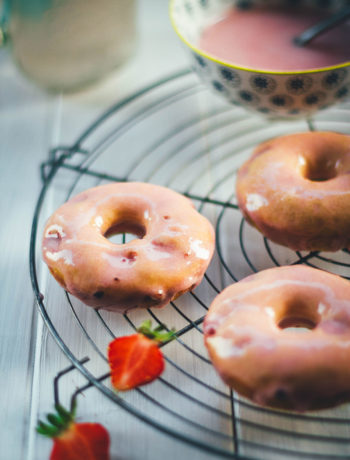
pixel 295 190
pixel 249 335
pixel 170 257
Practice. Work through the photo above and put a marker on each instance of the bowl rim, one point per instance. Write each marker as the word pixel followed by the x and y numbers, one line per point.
pixel 237 67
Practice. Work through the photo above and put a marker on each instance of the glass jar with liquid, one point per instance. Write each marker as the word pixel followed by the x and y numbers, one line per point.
pixel 68 44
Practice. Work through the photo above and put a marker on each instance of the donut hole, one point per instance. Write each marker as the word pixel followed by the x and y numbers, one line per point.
pixel 300 314
pixel 297 323
pixel 320 170
pixel 124 232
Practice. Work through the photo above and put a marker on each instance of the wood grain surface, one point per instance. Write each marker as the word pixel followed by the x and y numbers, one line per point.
pixel 31 123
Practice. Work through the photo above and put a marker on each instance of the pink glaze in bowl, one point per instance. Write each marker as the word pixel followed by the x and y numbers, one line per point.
pixel 274 92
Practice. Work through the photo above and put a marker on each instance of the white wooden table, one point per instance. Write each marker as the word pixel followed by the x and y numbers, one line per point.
pixel 31 123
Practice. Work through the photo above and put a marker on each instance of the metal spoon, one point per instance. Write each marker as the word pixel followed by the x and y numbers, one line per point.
pixel 309 34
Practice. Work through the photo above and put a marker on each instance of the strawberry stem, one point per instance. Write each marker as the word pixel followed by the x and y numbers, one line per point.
pixel 46 430
pixel 57 422
pixel 73 407
pixel 156 333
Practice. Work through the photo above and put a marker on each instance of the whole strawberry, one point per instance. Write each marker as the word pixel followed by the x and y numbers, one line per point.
pixel 136 359
pixel 74 441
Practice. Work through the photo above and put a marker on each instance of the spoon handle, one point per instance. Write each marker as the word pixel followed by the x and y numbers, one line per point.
pixel 314 31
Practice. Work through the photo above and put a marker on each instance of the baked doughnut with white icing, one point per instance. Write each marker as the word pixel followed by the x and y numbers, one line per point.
pixel 250 332
pixel 170 257
pixel 295 190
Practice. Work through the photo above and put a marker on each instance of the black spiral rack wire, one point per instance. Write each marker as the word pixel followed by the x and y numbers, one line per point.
pixel 175 133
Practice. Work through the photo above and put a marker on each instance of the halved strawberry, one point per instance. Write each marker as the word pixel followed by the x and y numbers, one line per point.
pixel 75 441
pixel 136 359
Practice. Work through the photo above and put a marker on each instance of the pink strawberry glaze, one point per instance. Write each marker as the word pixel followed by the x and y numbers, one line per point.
pixel 175 246
pixel 295 190
pixel 247 336
pixel 262 38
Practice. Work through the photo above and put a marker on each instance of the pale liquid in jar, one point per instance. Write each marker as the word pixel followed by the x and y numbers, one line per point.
pixel 66 44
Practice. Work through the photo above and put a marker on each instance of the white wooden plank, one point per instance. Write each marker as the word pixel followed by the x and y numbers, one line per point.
pixel 30 123
pixel 23 147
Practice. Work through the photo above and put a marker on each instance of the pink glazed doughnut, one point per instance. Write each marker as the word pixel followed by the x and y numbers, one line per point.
pixel 295 190
pixel 250 345
pixel 170 257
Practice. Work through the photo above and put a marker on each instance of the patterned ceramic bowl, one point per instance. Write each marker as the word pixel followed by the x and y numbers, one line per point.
pixel 287 94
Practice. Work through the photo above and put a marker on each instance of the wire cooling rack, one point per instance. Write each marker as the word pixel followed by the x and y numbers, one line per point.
pixel 176 133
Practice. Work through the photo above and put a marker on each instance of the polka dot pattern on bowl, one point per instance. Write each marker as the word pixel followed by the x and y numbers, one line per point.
pixel 290 94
